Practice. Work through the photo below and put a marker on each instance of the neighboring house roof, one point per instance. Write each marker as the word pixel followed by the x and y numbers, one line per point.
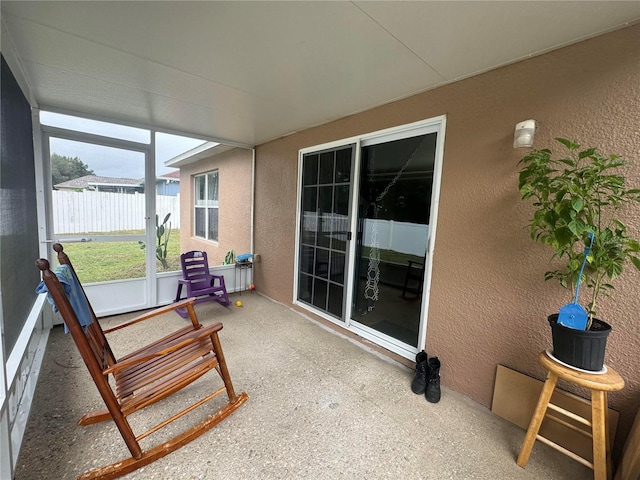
pixel 171 176
pixel 95 180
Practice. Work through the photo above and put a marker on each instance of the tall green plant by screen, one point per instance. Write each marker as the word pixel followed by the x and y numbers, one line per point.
pixel 163 233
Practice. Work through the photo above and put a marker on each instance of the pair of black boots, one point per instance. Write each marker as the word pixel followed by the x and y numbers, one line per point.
pixel 427 377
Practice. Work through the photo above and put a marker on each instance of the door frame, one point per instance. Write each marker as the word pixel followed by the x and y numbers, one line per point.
pixel 122 289
pixel 348 251
pixel 432 125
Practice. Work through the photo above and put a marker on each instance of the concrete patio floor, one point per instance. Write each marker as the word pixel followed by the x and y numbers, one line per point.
pixel 320 407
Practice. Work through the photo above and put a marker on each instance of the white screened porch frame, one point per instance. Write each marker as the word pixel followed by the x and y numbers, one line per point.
pixel 21 366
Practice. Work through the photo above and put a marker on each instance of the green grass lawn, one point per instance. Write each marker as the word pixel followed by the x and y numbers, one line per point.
pixel 103 261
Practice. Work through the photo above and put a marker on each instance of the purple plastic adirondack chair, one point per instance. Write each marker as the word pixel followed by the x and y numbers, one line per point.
pixel 199 281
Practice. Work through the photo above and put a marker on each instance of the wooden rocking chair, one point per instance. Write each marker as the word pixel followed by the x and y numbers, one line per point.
pixel 200 284
pixel 144 376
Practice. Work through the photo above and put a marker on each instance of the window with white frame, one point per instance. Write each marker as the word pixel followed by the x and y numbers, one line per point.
pixel 206 206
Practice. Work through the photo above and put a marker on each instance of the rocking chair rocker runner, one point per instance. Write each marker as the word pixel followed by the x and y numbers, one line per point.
pixel 199 282
pixel 146 375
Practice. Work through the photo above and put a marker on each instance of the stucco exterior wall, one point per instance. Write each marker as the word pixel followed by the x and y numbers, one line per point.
pixel 489 302
pixel 234 221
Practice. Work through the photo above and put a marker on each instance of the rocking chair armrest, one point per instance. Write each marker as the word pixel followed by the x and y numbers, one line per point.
pixel 181 342
pixel 152 313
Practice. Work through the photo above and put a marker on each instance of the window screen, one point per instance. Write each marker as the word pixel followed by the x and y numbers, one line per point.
pixel 18 223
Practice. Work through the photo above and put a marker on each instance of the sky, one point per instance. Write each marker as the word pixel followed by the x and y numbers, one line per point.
pixel 113 162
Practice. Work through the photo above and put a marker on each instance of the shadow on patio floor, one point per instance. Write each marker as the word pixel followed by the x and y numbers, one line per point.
pixel 320 407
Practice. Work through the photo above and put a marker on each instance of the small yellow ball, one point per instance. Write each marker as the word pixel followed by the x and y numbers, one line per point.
pixel 238 303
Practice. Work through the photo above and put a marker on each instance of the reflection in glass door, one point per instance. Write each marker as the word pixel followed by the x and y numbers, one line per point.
pixel 394 206
pixel 324 229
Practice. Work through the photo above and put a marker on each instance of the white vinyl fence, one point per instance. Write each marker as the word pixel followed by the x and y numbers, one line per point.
pixel 403 237
pixel 88 211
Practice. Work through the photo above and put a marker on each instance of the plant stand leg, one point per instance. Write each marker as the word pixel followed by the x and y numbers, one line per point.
pixel 536 419
pixel 601 450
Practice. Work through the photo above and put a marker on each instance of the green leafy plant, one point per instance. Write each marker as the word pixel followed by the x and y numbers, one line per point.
pixel 229 258
pixel 580 192
pixel 163 232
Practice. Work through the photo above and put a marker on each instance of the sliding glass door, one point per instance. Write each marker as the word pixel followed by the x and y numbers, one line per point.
pixel 324 229
pixel 394 205
pixel 380 190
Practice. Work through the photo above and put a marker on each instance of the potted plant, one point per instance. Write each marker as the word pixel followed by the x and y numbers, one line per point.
pixel 579 192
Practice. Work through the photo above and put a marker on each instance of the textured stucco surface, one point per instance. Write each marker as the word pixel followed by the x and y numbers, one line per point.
pixel 234 222
pixel 488 302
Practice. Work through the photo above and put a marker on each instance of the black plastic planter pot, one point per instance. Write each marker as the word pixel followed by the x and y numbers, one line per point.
pixel 580 348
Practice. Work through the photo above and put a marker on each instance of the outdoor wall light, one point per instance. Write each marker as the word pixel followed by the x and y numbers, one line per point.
pixel 523 136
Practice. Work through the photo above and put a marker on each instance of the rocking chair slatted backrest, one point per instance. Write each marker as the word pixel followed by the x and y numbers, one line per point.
pixel 195 269
pixel 200 283
pixel 146 375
